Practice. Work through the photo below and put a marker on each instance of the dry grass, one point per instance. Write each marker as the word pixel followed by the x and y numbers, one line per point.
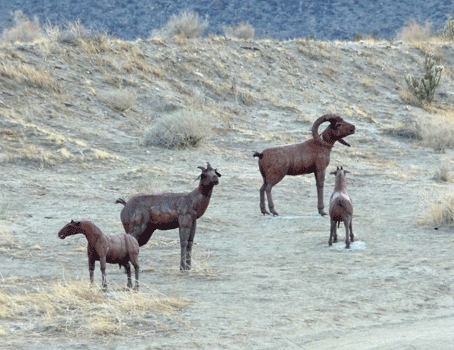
pixel 78 308
pixel 181 129
pixel 413 32
pixel 7 239
pixel 409 130
pixel 242 31
pixel 437 131
pixel 119 100
pixel 24 30
pixel 443 175
pixel 439 210
pixel 27 74
pixel 186 24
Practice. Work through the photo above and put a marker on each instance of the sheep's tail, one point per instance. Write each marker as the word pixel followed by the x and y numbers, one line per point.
pixel 121 201
pixel 257 154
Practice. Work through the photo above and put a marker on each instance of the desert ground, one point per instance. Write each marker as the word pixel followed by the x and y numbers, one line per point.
pixel 75 117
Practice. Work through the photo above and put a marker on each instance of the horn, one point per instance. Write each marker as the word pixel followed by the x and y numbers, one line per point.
pixel 209 166
pixel 315 126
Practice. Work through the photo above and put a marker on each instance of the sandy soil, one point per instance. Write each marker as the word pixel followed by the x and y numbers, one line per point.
pixel 259 282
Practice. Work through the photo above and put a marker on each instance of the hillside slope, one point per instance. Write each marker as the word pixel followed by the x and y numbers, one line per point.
pixel 74 136
pixel 333 19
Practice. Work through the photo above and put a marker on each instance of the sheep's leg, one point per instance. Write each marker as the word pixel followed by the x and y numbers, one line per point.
pixel 332 233
pixel 320 182
pixel 262 200
pixel 102 261
pixel 190 242
pixel 91 269
pixel 185 224
pixel 136 270
pixel 270 199
pixel 128 273
pixel 352 236
pixel 347 229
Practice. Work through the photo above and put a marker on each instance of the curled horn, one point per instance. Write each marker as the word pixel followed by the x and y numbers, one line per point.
pixel 315 126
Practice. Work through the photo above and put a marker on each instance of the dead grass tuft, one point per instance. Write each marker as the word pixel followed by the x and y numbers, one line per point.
pixel 6 237
pixel 179 130
pixel 24 30
pixel 24 73
pixel 437 131
pixel 242 31
pixel 186 24
pixel 77 307
pixel 443 175
pixel 413 32
pixel 119 100
pixel 439 209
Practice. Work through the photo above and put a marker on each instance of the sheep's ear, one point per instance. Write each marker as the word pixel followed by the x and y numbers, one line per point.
pixel 77 223
pixel 217 173
pixel 333 173
pixel 346 171
pixel 201 168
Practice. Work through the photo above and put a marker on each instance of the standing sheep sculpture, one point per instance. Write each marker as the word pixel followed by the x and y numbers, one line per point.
pixel 114 249
pixel 145 213
pixel 310 156
pixel 341 208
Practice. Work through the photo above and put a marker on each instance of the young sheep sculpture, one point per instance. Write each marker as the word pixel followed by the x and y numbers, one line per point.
pixel 310 156
pixel 145 213
pixel 114 249
pixel 341 208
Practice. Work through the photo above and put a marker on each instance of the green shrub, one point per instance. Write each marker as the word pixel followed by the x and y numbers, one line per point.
pixel 424 89
pixel 179 130
pixel 187 24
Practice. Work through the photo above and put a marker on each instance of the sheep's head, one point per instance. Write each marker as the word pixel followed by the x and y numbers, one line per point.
pixel 209 176
pixel 337 130
pixel 339 171
pixel 74 227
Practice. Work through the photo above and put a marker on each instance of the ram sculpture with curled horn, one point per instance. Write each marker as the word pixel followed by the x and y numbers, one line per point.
pixel 145 213
pixel 310 156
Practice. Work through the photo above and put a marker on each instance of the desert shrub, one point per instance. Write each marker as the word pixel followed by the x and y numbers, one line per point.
pixel 437 131
pixel 186 24
pixel 447 32
pixel 443 175
pixel 439 209
pixel 24 30
pixel 424 89
pixel 181 129
pixel 241 31
pixel 119 100
pixel 414 32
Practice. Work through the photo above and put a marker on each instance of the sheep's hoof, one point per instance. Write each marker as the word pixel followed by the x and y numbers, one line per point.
pixel 321 212
pixel 274 212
